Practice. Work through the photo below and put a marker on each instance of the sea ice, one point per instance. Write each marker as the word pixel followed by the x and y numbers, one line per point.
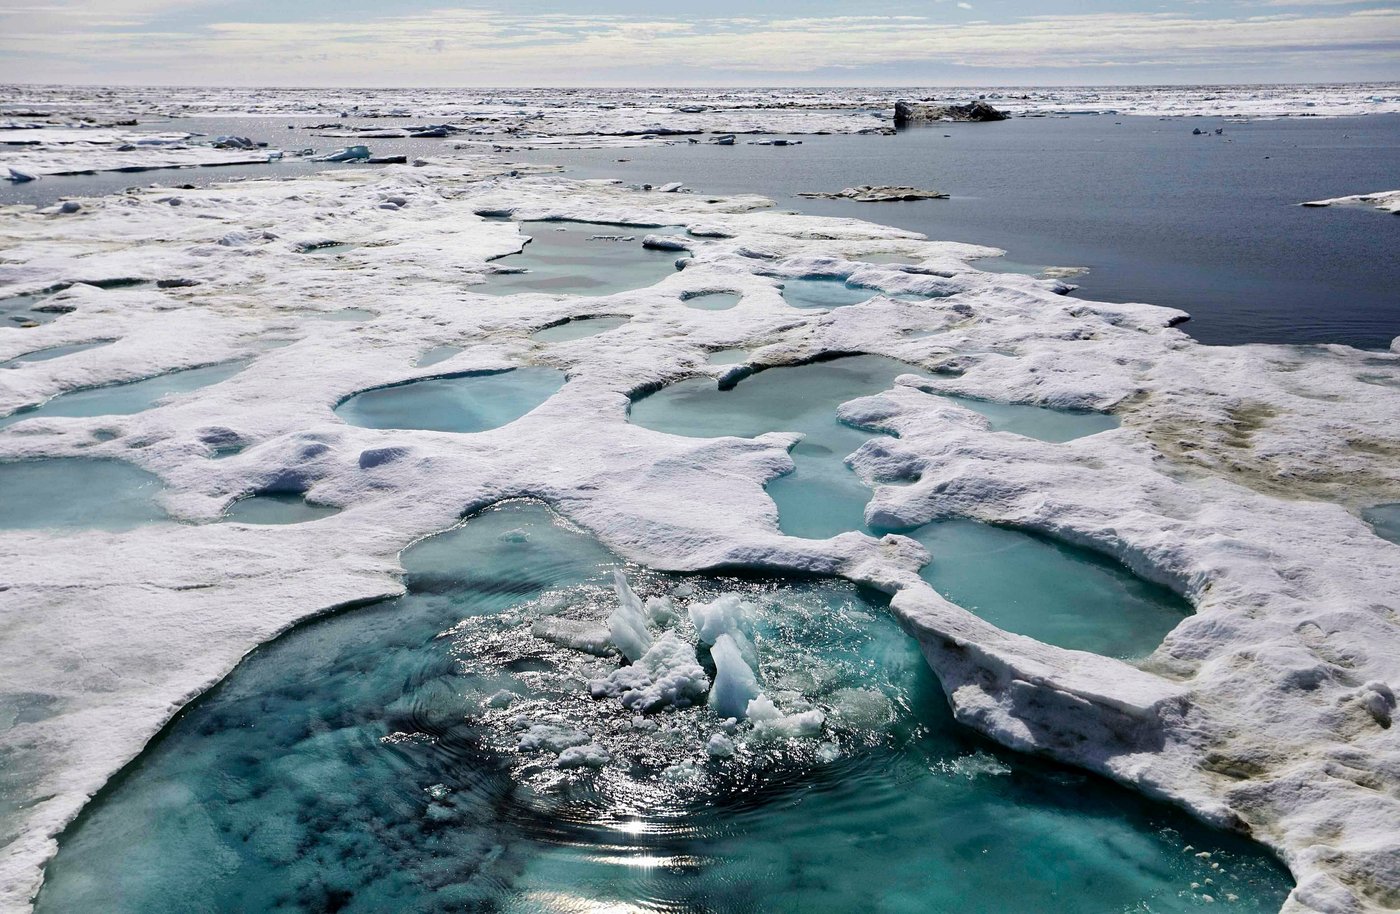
pixel 770 723
pixel 1236 478
pixel 627 626
pixel 735 684
pixel 666 676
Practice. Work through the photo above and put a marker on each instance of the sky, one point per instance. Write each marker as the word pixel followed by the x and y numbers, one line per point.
pixel 432 43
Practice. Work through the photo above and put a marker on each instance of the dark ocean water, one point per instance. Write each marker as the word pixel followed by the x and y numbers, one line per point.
pixel 1208 224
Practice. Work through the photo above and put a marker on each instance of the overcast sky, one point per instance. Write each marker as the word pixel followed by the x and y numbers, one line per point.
pixel 702 42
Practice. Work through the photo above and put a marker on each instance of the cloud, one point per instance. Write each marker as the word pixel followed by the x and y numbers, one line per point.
pixel 493 47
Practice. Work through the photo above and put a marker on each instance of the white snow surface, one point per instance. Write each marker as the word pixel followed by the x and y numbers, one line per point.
pixel 1235 479
pixel 44 149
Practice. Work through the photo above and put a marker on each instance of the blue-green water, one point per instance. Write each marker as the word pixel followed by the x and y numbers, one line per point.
pixel 77 493
pixel 347 315
pixel 712 301
pixel 728 356
pixel 1050 591
pixel 276 508
pixel 437 354
pixel 52 352
pixel 1385 520
pixel 822 497
pixel 824 293
pixel 368 762
pixel 123 399
pixel 462 403
pixel 18 311
pixel 580 258
pixel 578 329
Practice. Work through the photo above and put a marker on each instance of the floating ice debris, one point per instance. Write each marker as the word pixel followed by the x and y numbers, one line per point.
pixel 666 676
pixel 662 610
pixel 1386 201
pixel 720 746
pixel 19 176
pixel 348 154
pixel 627 626
pixel 921 113
pixel 550 737
pixel 590 755
pixel 575 634
pixel 666 243
pixel 869 193
pixel 727 614
pixel 233 142
pixel 735 684
pixel 770 723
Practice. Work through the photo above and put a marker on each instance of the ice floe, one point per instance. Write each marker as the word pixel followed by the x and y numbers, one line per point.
pixel 1236 478
pixel 1385 201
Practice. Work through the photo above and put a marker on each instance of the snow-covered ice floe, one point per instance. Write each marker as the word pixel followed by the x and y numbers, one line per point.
pixel 42 149
pixel 1237 478
pixel 1386 201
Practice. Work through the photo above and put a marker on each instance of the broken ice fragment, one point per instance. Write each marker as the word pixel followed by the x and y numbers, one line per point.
pixel 735 685
pixel 769 722
pixel 627 626
pixel 551 738
pixel 591 755
pixel 666 676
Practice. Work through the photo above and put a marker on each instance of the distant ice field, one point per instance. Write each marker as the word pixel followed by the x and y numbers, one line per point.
pixel 1205 223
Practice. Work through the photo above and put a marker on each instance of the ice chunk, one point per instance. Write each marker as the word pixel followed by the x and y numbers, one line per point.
pixel 662 610
pixel 727 614
pixel 720 746
pixel 551 738
pixel 21 177
pixel 770 723
pixel 348 154
pixel 665 243
pixel 682 772
pixel 627 626
pixel 735 683
pixel 573 634
pixel 590 755
pixel 666 676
